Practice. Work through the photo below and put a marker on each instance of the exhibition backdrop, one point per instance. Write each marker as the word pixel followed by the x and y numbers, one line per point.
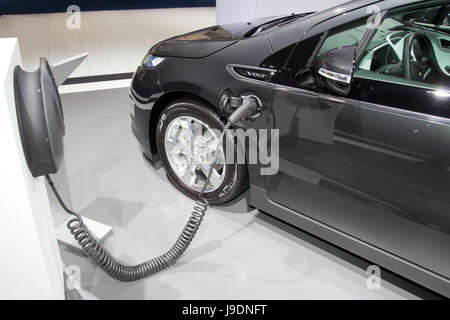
pixel 43 6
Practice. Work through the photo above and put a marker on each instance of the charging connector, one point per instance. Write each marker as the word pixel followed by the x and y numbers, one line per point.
pixel 236 108
pixel 248 109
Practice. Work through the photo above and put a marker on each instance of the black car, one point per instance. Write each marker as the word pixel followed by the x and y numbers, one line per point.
pixel 360 95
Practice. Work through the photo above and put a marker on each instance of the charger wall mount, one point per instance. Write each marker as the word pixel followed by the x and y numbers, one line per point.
pixel 40 118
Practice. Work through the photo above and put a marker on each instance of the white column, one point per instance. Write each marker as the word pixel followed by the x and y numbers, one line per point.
pixel 30 265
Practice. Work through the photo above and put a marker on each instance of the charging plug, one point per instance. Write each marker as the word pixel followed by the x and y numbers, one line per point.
pixel 248 108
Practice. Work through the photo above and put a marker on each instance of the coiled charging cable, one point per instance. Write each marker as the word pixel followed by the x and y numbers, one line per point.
pixel 122 272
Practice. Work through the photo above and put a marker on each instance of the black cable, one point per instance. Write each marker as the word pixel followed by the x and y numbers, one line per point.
pixel 122 272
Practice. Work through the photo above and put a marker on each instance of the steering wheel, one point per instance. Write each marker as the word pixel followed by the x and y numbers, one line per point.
pixel 416 57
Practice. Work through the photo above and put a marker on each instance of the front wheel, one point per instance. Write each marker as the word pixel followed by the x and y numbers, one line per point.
pixel 187 136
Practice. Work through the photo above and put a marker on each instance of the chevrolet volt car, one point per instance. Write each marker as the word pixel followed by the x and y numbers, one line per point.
pixel 359 99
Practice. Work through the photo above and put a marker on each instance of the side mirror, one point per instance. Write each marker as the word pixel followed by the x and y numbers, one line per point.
pixel 334 69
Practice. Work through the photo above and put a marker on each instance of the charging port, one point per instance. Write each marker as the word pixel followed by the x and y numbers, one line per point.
pixel 229 104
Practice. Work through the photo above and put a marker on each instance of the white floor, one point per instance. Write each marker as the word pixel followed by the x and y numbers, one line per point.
pixel 239 253
pixel 116 40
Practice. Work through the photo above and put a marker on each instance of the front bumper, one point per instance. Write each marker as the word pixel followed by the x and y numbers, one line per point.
pixel 144 91
pixel 140 126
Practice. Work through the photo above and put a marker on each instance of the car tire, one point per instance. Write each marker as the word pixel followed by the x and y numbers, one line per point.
pixel 235 176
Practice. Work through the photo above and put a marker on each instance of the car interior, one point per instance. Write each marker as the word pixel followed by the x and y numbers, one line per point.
pixel 411 48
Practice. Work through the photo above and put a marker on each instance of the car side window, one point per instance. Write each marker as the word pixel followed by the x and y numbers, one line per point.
pixel 422 16
pixel 405 51
pixel 347 35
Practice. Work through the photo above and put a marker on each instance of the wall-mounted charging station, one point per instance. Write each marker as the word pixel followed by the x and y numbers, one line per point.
pixel 40 118
pixel 41 125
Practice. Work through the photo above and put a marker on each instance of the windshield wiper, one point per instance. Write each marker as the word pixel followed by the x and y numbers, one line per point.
pixel 277 22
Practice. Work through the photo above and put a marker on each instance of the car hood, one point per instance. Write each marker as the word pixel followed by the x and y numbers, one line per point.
pixel 201 43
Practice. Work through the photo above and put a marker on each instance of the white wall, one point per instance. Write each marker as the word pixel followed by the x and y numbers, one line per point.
pixel 30 264
pixel 229 11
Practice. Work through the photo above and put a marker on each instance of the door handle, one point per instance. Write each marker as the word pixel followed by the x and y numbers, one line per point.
pixel 330 98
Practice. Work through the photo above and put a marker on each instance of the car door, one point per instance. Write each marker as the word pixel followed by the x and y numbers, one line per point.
pixel 375 164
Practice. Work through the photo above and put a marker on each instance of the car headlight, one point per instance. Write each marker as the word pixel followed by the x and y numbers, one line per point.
pixel 151 61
